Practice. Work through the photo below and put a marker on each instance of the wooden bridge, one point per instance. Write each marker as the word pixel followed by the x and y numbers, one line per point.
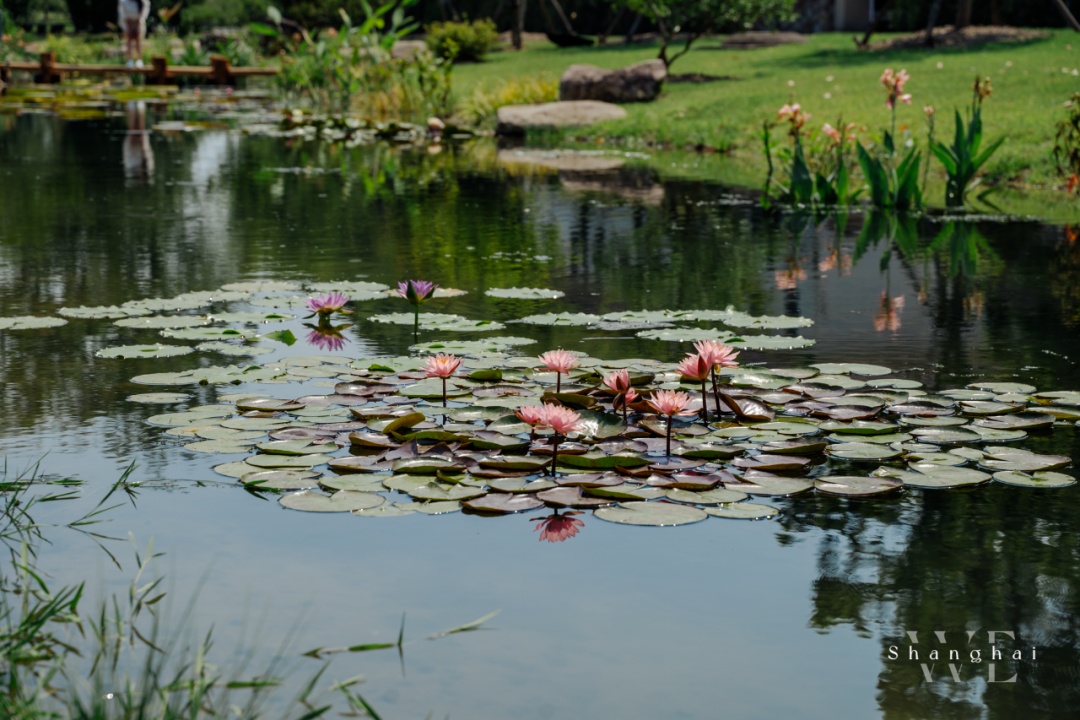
pixel 158 72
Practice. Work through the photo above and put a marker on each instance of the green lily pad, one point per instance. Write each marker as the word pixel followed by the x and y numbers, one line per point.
pixel 144 351
pixel 528 463
pixel 29 322
pixel 1036 479
pixel 716 496
pixel 946 435
pixel 224 348
pixel 856 486
pixel 427 466
pixel 443 492
pixel 209 333
pixel 600 425
pixel 561 319
pixel 100 312
pixel 936 477
pixel 296 447
pixel 860 427
pixel 655 514
pixel 936 458
pixel 1022 460
pixel 1003 387
pixel 862 452
pixel 761 485
pixel 934 421
pixel 984 407
pixel 601 461
pixel 222 447
pixel 851 368
pixel 288 461
pixel 341 501
pixel 524 293
pixel 503 503
pixel 743 511
pixel 1029 420
pixel 625 491
pixel 281 480
pixel 521 485
pixel 163 398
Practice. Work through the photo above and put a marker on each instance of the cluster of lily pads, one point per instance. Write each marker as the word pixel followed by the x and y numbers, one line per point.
pixel 391 436
pixel 204 321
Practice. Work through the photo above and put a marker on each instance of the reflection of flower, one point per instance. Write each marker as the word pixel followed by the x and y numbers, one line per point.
pixel 327 304
pixel 327 337
pixel 888 314
pixel 441 365
pixel 561 361
pixel 789 279
pixel 557 528
pixel 417 291
pixel 833 259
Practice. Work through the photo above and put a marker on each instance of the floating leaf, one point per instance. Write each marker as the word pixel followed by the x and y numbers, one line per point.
pixel 862 452
pixel 341 501
pixel 281 480
pixel 718 496
pixel 1037 479
pixel 524 293
pixel 743 511
pixel 856 486
pixel 287 461
pixel 440 491
pixel 503 503
pixel 931 476
pixel 144 351
pixel 657 514
pixel 159 398
pixel 29 322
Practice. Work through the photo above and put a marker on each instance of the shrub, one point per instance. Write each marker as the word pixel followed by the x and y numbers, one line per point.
pixel 462 41
pixel 480 107
pixel 1067 143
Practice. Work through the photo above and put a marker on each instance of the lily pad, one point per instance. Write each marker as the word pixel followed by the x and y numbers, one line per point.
pixel 857 486
pixel 936 477
pixel 862 452
pixel 655 514
pixel 503 503
pixel 743 511
pixel 144 351
pixel 281 480
pixel 718 496
pixel 524 293
pixel 163 398
pixel 29 322
pixel 1036 479
pixel 288 461
pixel 341 501
pixel 443 492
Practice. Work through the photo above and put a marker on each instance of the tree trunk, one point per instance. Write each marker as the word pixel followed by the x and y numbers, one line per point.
pixel 519 24
pixel 931 23
pixel 963 14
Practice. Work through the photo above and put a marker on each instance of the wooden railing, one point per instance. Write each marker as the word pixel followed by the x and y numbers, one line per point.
pixel 158 72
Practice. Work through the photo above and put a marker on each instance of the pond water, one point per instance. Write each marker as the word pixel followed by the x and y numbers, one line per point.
pixel 792 617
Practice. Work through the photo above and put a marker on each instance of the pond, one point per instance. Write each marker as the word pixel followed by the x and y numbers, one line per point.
pixel 816 613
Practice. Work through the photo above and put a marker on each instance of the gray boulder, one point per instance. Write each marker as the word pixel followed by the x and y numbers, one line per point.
pixel 636 83
pixel 517 119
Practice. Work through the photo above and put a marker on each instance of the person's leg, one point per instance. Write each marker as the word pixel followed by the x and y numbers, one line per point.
pixel 134 41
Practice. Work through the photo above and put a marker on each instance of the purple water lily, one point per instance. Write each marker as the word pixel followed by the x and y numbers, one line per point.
pixel 328 304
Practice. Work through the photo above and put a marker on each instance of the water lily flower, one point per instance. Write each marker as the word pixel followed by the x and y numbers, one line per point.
pixel 327 304
pixel 619 383
pixel 558 527
pixel 670 403
pixel 561 361
pixel 417 291
pixel 442 366
pixel 561 419
pixel 696 367
pixel 719 356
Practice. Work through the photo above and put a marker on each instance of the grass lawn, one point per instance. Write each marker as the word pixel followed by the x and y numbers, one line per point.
pixel 832 80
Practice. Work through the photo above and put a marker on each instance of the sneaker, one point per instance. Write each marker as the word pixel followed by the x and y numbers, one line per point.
pixel 138 63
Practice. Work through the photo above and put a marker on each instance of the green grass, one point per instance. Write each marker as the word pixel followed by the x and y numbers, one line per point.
pixel 1029 91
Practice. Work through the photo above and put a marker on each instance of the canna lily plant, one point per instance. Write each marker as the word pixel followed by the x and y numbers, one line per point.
pixel 966 156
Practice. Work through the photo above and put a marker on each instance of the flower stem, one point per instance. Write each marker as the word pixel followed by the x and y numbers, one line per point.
pixel 444 392
pixel 704 402
pixel 669 420
pixel 558 382
pixel 555 440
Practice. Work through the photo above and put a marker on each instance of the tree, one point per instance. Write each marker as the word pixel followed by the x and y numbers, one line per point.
pixel 694 18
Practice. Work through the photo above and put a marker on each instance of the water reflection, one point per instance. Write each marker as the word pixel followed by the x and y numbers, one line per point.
pixel 138 155
pixel 559 527
pixel 326 336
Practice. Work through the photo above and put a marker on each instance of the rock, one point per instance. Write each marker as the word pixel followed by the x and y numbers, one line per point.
pixel 561 160
pixel 636 83
pixel 516 119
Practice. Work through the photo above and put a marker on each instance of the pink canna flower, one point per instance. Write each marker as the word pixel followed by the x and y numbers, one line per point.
pixel 557 528
pixel 794 115
pixel 328 304
pixel 441 365
pixel 717 354
pixel 417 291
pixel 894 87
pixel 561 419
pixel 830 132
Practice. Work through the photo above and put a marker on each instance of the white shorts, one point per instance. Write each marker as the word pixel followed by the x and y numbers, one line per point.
pixel 127 10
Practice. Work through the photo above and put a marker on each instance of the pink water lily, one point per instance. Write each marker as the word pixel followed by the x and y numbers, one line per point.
pixel 558 527
pixel 619 383
pixel 719 356
pixel 441 366
pixel 670 403
pixel 328 303
pixel 561 361
pixel 696 367
pixel 417 291
pixel 561 419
